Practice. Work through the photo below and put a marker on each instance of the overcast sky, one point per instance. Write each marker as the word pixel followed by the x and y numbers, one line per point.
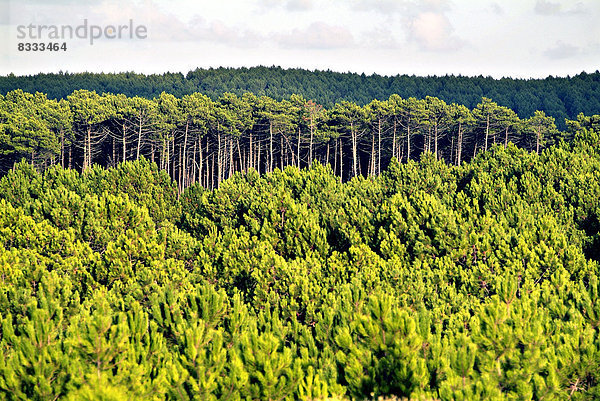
pixel 516 38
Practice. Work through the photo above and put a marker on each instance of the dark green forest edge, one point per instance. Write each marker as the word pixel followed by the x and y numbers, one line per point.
pixel 560 97
pixel 196 277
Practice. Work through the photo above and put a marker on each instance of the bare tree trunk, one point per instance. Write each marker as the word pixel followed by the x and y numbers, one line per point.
pixel 537 140
pixel 298 149
pixel 335 157
pixel 231 169
pixel 124 143
pixel 172 158
pixel 184 157
pixel 192 176
pixel 219 167
pixel 506 137
pixel 242 164
pixel 459 144
pixel 379 147
pixel 327 157
pixel 70 158
pixel 259 145
pixel 270 147
pixel 114 153
pixel 310 152
pixel 89 162
pixel 372 164
pixel 487 131
pixel 212 174
pixel 353 136
pixel 394 141
pixel 435 131
pixel 208 170
pixel 181 163
pixel 62 149
pixel 429 139
pixel 200 161
pixel 281 151
pixel 139 141
pixel 341 160
pixel 408 143
pixel 163 155
pixel 250 155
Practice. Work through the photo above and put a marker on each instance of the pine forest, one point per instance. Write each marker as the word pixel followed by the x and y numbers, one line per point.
pixel 248 247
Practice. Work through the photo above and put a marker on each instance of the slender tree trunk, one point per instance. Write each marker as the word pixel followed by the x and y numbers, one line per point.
pixel 89 162
pixel 181 170
pixel 70 158
pixel 459 144
pixel 487 131
pixel 435 131
pixel 372 164
pixel 212 174
pixel 237 141
pixel 408 143
pixel 379 147
pixel 341 160
pixel 250 155
pixel 184 157
pixel 124 143
pixel 114 153
pixel 281 151
pixel 506 137
pixel 62 148
pixel 231 168
pixel 394 141
pixel 209 172
pixel 270 147
pixel 310 152
pixel 327 156
pixel 259 146
pixel 191 177
pixel 537 140
pixel 200 161
pixel 429 139
pixel 139 141
pixel 298 149
pixel 354 150
pixel 219 167
pixel 164 154
pixel 173 158
pixel 335 157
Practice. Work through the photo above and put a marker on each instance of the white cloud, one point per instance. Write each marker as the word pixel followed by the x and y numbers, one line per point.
pixel 318 35
pixel 497 9
pixel 562 51
pixel 380 38
pixel 299 5
pixel 545 7
pixel 433 32
pixel 289 5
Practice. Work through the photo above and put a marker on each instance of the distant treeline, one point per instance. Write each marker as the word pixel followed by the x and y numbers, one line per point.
pixel 199 140
pixel 560 97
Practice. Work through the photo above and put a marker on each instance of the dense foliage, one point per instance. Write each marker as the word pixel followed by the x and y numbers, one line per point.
pixel 199 140
pixel 559 97
pixel 429 281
